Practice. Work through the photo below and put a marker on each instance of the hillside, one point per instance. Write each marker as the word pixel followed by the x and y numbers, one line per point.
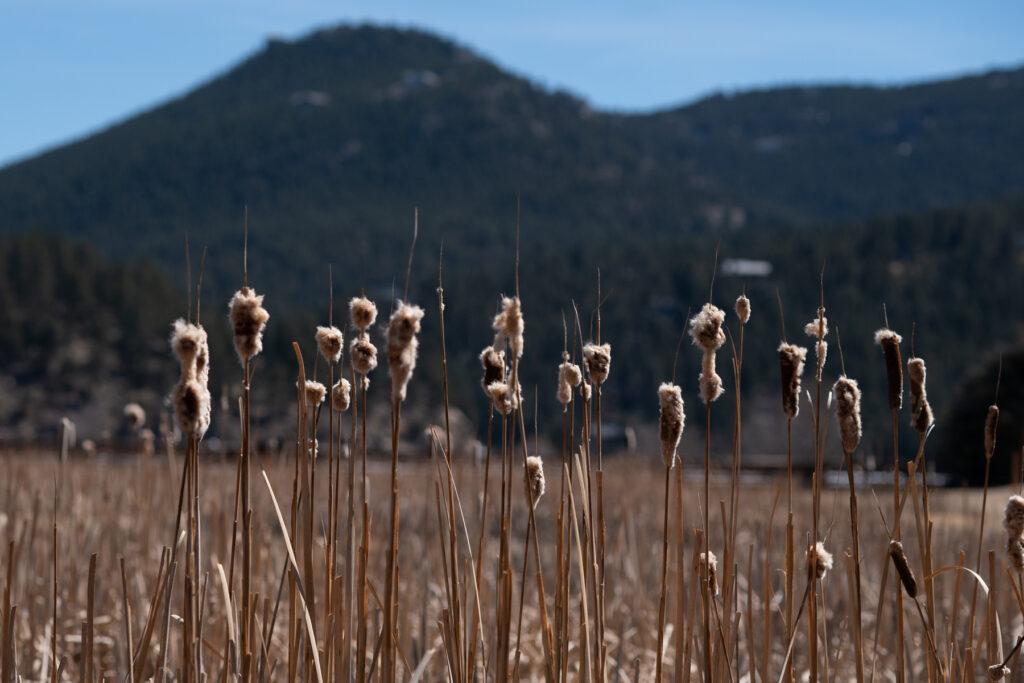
pixel 332 139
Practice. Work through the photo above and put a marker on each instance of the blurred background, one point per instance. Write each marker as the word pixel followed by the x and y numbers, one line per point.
pixel 876 144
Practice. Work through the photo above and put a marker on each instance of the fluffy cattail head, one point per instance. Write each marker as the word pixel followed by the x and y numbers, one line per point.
pixel 711 387
pixel 363 354
pixel 899 560
pixel 192 407
pixel 315 393
pixel 535 477
pixel 706 328
pixel 599 361
pixel 1015 551
pixel 709 570
pixel 341 395
pixel 569 377
pixel 363 313
pixel 249 319
pixel 585 391
pixel 330 341
pixel 403 327
pixel 819 560
pixel 672 420
pixel 921 417
pixel 190 344
pixel 847 395
pixel 493 362
pixel 791 365
pixel 890 343
pixel 503 398
pixel 1013 517
pixel 509 325
pixel 991 427
pixel 818 329
pixel 135 416
pixel 743 309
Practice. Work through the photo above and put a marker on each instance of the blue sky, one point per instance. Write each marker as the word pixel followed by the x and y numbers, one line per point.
pixel 68 67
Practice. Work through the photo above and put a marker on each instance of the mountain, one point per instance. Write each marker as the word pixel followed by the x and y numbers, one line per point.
pixel 332 139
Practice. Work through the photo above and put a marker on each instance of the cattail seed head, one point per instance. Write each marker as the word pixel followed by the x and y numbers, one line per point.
pixel 818 329
pixel 1013 516
pixel 503 398
pixel 315 393
pixel 403 327
pixel 135 416
pixel 535 477
pixel 249 319
pixel 341 395
pixel 1015 551
pixel 991 427
pixel 921 416
pixel 890 343
pixel 599 361
pixel 847 395
pixel 819 560
pixel 706 328
pixel 509 325
pixel 672 420
pixel 362 312
pixel 330 341
pixel 192 407
pixel 190 344
pixel 743 309
pixel 710 382
pixel 493 362
pixel 997 672
pixel 899 560
pixel 569 377
pixel 791 364
pixel 585 391
pixel 709 570
pixel 363 354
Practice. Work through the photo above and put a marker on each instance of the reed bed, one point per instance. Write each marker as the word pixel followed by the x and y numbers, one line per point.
pixel 335 563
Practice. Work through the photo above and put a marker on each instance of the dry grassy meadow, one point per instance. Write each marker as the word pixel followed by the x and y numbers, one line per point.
pixel 324 564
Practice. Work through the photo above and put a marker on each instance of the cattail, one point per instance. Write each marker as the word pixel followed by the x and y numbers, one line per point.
pixel 991 425
pixel 743 309
pixel 493 362
pixel 899 560
pixel 535 477
pixel 672 420
pixel 890 343
pixel 191 346
pixel 1013 516
pixel 363 313
pixel 710 382
pixel 818 329
pixel 363 354
pixel 997 672
pixel 585 391
pixel 249 319
pixel 1015 551
pixel 921 417
pixel 192 407
pixel 331 342
pixel 819 560
pixel 402 346
pixel 847 395
pixel 315 393
pixel 509 325
pixel 569 377
pixel 709 570
pixel 503 398
pixel 341 395
pixel 791 363
pixel 706 328
pixel 599 361
pixel 135 416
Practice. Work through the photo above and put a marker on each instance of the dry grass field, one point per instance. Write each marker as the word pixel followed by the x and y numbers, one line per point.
pixel 122 511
